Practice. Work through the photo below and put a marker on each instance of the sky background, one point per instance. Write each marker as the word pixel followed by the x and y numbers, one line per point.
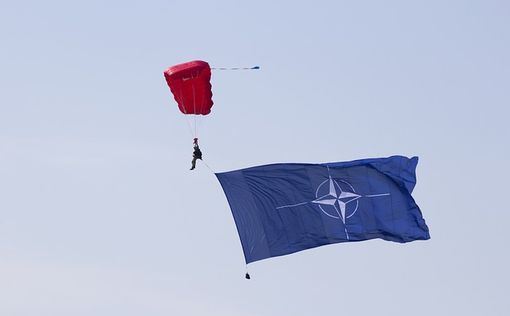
pixel 100 215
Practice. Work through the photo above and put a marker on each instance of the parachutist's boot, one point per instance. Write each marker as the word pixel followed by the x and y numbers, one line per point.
pixel 193 163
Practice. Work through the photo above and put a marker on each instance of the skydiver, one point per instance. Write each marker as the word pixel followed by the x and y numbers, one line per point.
pixel 197 154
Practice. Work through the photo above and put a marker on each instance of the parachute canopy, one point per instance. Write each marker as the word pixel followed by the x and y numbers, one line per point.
pixel 190 84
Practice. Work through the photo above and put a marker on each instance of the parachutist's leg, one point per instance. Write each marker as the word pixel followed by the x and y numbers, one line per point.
pixel 193 163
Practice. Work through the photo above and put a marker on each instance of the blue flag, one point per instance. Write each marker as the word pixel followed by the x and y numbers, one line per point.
pixel 288 207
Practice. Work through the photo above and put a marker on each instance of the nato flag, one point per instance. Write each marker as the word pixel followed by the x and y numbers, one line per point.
pixel 288 207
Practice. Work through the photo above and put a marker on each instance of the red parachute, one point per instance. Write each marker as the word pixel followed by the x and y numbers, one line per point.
pixel 190 84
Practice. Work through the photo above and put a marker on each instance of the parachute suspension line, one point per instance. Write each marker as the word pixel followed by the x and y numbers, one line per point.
pixel 186 116
pixel 188 120
pixel 236 68
pixel 197 124
pixel 194 109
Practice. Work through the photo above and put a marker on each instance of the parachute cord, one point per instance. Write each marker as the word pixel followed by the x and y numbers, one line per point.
pixel 188 120
pixel 195 120
pixel 190 128
pixel 197 125
pixel 236 68
pixel 205 163
pixel 194 108
pixel 247 275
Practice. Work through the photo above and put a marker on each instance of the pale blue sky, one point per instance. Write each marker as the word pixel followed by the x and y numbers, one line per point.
pixel 99 214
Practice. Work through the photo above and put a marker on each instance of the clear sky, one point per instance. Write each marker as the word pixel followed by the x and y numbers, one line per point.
pixel 99 214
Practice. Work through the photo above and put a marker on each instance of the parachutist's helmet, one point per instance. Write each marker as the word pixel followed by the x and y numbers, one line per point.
pixel 195 139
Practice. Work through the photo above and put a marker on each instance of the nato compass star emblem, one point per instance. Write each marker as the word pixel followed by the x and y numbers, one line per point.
pixel 337 199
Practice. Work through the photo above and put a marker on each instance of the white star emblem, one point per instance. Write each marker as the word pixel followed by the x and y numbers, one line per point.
pixel 337 202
